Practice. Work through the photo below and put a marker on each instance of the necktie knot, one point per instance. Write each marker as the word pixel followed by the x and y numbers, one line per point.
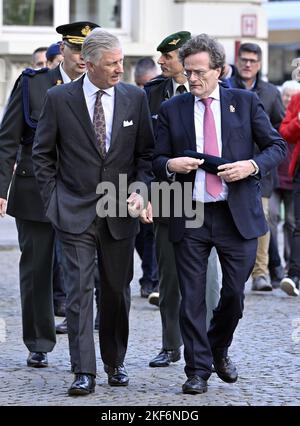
pixel 181 89
pixel 207 101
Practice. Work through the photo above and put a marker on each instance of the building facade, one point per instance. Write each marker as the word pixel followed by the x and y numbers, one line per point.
pixel 140 24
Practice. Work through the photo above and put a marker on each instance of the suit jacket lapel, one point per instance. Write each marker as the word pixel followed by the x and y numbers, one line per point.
pixel 120 112
pixel 55 76
pixel 77 104
pixel 187 115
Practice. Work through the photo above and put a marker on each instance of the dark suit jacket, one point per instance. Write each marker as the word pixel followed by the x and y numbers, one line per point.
pixel 248 122
pixel 24 197
pixel 69 191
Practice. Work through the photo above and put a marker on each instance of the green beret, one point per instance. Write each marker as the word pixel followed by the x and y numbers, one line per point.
pixel 173 41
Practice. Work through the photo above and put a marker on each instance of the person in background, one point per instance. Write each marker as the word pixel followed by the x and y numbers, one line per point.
pixel 290 130
pixel 53 55
pixel 247 77
pixel 172 83
pixel 283 194
pixel 35 232
pixel 145 70
pixel 39 59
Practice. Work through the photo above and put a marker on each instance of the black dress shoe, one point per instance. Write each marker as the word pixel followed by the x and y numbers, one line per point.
pixel 82 385
pixel 225 369
pixel 37 359
pixel 194 384
pixel 62 328
pixel 117 376
pixel 164 358
pixel 60 309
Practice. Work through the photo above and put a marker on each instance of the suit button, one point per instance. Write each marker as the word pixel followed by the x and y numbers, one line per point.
pixel 23 172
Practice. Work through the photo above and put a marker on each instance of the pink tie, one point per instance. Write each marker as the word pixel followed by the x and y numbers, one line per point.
pixel 213 182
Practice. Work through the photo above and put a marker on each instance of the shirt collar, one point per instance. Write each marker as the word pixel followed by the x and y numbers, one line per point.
pixel 64 75
pixel 175 85
pixel 215 94
pixel 91 89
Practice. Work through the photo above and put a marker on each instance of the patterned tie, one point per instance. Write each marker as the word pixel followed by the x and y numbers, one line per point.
pixel 213 182
pixel 99 123
pixel 180 89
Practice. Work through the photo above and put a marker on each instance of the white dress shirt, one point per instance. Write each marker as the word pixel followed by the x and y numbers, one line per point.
pixel 199 193
pixel 175 85
pixel 108 101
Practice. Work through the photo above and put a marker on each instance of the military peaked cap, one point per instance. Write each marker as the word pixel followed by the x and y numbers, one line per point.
pixel 173 41
pixel 76 32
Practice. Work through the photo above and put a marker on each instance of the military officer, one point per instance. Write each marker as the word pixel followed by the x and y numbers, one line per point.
pixel 35 233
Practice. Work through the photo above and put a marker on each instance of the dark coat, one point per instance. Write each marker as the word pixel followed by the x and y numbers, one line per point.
pixel 24 197
pixel 69 188
pixel 243 121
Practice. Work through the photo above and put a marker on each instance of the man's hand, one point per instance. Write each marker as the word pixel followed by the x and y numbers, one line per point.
pixel 232 172
pixel 3 204
pixel 146 215
pixel 135 204
pixel 183 164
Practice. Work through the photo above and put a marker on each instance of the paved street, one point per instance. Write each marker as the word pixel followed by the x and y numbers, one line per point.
pixel 266 349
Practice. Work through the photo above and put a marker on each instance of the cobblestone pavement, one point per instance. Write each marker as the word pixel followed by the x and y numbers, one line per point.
pixel 266 349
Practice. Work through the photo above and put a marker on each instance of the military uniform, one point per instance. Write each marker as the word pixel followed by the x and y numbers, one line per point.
pixel 35 233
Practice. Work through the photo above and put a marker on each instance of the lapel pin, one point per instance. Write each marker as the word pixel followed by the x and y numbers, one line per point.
pixel 58 82
pixel 231 108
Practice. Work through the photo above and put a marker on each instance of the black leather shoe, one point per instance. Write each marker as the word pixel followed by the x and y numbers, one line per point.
pixel 62 328
pixel 83 384
pixel 37 359
pixel 60 309
pixel 194 384
pixel 226 369
pixel 164 358
pixel 117 376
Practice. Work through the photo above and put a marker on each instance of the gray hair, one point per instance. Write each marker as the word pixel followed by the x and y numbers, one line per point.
pixel 290 85
pixel 97 42
pixel 204 43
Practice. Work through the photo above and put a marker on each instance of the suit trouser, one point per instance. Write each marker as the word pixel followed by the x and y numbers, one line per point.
pixel 261 267
pixel 237 257
pixel 169 289
pixel 36 240
pixel 116 271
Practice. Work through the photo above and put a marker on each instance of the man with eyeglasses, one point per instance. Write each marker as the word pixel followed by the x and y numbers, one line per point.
pixel 35 233
pixel 218 122
pixel 172 82
pixel 248 77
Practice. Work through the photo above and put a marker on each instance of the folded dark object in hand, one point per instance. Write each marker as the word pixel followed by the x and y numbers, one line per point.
pixel 211 162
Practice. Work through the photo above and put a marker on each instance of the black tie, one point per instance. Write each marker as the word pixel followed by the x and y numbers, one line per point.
pixel 180 89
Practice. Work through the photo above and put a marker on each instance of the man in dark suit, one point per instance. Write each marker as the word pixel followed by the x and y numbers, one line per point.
pixel 223 123
pixel 99 128
pixel 35 232
pixel 171 83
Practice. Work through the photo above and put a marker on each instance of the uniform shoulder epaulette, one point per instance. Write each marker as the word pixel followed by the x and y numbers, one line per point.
pixel 30 72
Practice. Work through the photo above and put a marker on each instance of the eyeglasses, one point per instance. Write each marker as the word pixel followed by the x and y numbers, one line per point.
pixel 199 74
pixel 244 61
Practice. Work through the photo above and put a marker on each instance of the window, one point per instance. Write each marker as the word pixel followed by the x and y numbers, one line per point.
pixel 28 12
pixel 106 13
